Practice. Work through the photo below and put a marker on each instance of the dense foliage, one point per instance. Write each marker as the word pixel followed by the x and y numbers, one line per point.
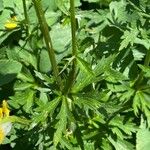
pixel 76 81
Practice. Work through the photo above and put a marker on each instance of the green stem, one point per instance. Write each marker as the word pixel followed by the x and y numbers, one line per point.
pixel 48 42
pixel 72 74
pixel 73 27
pixel 26 17
pixel 15 119
pixel 147 58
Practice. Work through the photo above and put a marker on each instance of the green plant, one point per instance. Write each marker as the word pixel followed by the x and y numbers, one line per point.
pixel 76 78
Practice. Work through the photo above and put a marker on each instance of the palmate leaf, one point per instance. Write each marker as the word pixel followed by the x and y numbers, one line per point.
pixel 44 77
pixel 24 98
pixel 27 79
pixel 114 76
pixel 128 38
pixel 121 144
pixel 64 5
pixel 143 137
pixel 29 100
pixel 22 55
pixel 118 11
pixel 126 95
pixel 128 127
pixel 25 75
pixel 137 54
pixel 103 64
pixel 117 132
pixel 84 66
pixel 120 14
pixel 146 70
pixel 89 146
pixel 61 125
pixel 28 58
pixel 141 102
pixel 3 17
pixel 106 144
pixel 44 110
pixel 14 4
pixel 144 4
pixel 8 70
pixel 51 7
pixel 66 143
pixel 87 102
pixel 21 86
pixel 145 42
pixel 83 79
pixel 122 89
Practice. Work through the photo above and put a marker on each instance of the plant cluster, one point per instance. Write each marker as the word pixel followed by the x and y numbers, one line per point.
pixel 75 74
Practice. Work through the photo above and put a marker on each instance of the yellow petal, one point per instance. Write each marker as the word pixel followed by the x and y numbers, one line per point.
pixel 6 112
pixel 4 104
pixel 1 113
pixel 5 109
pixel 2 135
pixel 10 25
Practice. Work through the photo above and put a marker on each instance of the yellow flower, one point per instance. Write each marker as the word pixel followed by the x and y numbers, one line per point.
pixel 10 25
pixel 5 127
pixel 4 130
pixel 1 113
pixel 4 104
pixel 2 135
pixel 5 109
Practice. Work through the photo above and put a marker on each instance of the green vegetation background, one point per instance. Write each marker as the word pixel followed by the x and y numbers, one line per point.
pixel 98 95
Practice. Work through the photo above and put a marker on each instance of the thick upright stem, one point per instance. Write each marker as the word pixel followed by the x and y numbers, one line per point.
pixel 147 58
pixel 47 38
pixel 26 17
pixel 73 27
pixel 72 73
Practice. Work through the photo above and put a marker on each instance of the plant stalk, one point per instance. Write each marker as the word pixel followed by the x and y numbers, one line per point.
pixel 147 58
pixel 48 42
pixel 73 27
pixel 26 17
pixel 72 73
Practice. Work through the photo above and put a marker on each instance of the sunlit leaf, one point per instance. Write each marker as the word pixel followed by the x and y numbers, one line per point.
pixel 61 125
pixel 143 137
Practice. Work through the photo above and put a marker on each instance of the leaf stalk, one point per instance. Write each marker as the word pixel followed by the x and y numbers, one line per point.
pixel 72 73
pixel 48 42
pixel 26 17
